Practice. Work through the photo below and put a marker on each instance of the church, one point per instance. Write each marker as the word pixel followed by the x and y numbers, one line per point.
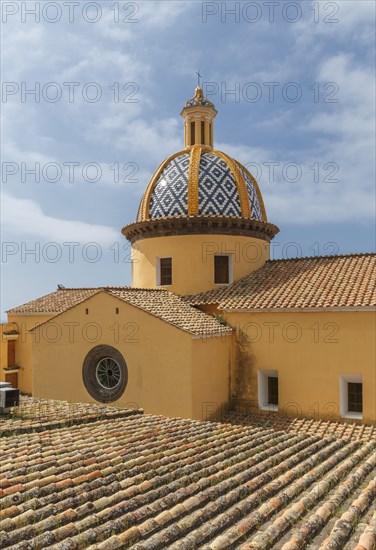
pixel 210 323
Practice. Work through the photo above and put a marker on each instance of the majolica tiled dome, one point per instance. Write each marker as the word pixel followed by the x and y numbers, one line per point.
pixel 200 190
pixel 201 181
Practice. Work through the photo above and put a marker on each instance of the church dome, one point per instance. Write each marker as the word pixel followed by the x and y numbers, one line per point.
pixel 201 182
pixel 200 190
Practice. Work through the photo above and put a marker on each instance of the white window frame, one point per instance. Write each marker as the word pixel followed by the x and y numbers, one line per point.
pixel 344 396
pixel 158 270
pixel 230 268
pixel 262 388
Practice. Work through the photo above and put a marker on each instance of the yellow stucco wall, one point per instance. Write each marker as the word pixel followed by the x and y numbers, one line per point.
pixel 158 356
pixel 212 371
pixel 24 359
pixel 193 259
pixel 3 350
pixel 310 350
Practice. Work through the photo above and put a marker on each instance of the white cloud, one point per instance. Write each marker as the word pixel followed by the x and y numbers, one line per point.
pixel 21 38
pixel 340 138
pixel 152 140
pixel 24 216
pixel 107 132
pixel 353 115
pixel 162 14
pixel 332 199
pixel 243 153
pixel 348 21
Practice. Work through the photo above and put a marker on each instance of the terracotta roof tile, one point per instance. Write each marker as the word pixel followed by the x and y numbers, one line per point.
pixel 151 482
pixel 367 539
pixel 167 306
pixel 172 309
pixel 324 428
pixel 317 282
pixel 56 302
pixel 35 415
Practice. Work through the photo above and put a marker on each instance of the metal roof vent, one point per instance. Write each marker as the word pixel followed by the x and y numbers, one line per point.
pixel 9 397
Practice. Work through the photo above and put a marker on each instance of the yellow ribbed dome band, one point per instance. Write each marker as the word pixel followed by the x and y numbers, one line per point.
pixel 240 183
pixel 258 192
pixel 144 207
pixel 194 168
pixel 139 210
pixel 153 181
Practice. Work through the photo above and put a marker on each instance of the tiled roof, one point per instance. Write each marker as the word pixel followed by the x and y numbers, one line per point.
pixel 150 482
pixel 35 415
pixel 56 302
pixel 160 303
pixel 317 282
pixel 172 309
pixel 345 430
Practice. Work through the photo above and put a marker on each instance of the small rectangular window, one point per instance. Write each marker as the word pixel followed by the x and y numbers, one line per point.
pixel 267 381
pixel 86 311
pixel 211 134
pixel 202 132
pixel 355 397
pixel 117 311
pixel 11 353
pixel 272 390
pixel 221 269
pixel 192 133
pixel 165 270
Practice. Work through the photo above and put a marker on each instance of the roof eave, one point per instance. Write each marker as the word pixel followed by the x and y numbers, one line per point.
pixel 217 335
pixel 297 309
pixel 34 313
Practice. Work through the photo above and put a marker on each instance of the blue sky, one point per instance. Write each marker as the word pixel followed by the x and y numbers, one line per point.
pixel 301 117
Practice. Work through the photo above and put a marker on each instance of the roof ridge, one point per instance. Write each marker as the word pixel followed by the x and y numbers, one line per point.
pixel 165 306
pixel 331 256
pixel 113 288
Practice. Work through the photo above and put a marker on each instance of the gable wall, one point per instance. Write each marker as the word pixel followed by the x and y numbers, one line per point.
pixel 158 356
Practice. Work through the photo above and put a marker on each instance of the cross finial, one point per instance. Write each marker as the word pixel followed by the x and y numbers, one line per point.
pixel 198 77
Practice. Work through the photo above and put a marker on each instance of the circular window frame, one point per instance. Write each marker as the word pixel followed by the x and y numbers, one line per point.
pixel 112 371
pixel 89 374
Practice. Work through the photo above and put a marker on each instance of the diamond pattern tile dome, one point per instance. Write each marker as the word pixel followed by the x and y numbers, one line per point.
pixel 217 190
pixel 201 182
pixel 170 194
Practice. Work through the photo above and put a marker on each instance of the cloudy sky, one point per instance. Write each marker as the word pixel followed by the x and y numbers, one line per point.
pixel 91 104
